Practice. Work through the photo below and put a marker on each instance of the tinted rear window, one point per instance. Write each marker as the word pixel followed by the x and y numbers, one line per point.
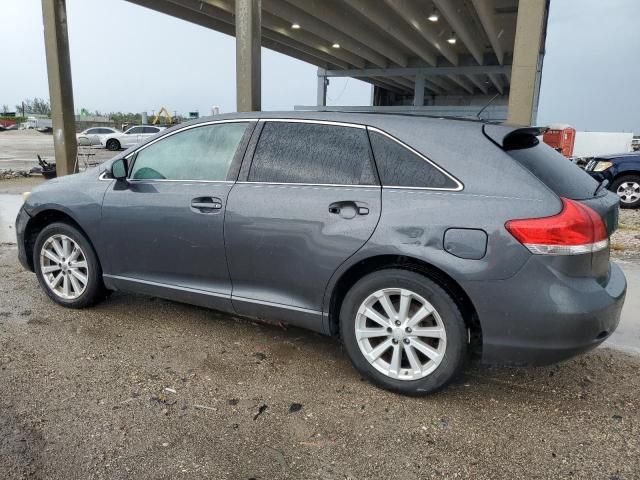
pixel 291 152
pixel 400 167
pixel 558 173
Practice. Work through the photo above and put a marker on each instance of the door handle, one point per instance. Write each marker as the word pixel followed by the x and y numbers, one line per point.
pixel 349 208
pixel 206 204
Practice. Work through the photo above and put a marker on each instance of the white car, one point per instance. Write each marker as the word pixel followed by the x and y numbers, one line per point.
pixel 129 138
pixel 94 136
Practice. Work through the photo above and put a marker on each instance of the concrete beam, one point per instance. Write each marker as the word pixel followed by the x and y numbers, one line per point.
pixel 337 15
pixel 328 33
pixel 484 9
pixel 453 17
pixel 527 61
pixel 387 84
pixel 479 82
pixel 273 23
pixel 427 71
pixel 462 82
pixel 56 42
pixel 387 20
pixel 418 91
pixel 412 13
pixel 497 82
pixel 227 26
pixel 407 83
pixel 276 31
pixel 441 83
pixel 248 64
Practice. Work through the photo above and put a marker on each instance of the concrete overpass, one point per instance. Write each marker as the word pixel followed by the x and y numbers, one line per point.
pixel 442 57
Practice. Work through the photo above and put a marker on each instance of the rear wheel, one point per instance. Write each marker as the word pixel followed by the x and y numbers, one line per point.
pixel 403 332
pixel 67 267
pixel 627 188
pixel 113 144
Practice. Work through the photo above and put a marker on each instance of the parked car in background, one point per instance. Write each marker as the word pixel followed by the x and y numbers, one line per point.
pixel 623 173
pixel 390 231
pixel 94 136
pixel 130 137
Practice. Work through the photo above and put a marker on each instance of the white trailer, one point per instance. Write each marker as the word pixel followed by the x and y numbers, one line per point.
pixel 592 144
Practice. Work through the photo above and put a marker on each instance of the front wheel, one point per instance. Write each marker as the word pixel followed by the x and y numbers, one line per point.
pixel 403 332
pixel 627 188
pixel 67 268
pixel 113 144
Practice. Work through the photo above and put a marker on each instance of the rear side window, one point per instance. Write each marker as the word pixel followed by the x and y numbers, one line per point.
pixel 150 130
pixel 400 167
pixel 561 175
pixel 294 152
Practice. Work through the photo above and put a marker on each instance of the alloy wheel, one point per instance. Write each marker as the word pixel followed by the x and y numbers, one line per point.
pixel 400 334
pixel 629 192
pixel 64 267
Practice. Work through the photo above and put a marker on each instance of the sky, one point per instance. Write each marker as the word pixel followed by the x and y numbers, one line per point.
pixel 128 58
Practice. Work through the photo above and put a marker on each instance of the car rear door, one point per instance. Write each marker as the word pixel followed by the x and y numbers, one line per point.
pixel 131 137
pixel 163 228
pixel 307 201
pixel 148 132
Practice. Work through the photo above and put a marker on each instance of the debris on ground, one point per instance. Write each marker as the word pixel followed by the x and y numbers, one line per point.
pixel 261 410
pixel 295 407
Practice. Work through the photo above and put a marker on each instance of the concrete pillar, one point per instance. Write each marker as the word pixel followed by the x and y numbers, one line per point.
pixel 527 61
pixel 248 31
pixel 418 91
pixel 56 41
pixel 323 81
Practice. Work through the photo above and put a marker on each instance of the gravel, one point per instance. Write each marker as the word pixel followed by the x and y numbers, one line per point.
pixel 625 242
pixel 145 388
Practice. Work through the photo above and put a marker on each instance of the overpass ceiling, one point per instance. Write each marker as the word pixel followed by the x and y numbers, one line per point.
pixel 380 36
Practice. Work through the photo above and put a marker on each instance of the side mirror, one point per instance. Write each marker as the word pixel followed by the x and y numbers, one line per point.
pixel 119 169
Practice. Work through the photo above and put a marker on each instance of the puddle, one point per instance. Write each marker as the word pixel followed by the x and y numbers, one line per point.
pixel 9 207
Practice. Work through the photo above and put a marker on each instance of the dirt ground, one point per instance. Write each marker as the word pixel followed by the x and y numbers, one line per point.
pixel 625 242
pixel 139 387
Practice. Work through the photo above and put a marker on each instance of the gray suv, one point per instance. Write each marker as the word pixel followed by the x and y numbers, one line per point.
pixel 418 241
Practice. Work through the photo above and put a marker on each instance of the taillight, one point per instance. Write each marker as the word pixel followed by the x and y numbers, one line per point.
pixel 575 230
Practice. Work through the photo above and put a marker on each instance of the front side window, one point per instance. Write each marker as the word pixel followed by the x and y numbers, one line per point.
pixel 297 152
pixel 400 167
pixel 134 131
pixel 200 153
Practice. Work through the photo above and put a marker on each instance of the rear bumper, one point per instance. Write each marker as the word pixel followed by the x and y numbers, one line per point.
pixel 542 316
pixel 21 224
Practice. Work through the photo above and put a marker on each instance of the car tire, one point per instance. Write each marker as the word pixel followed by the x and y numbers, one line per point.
pixel 627 187
pixel 67 267
pixel 447 354
pixel 113 144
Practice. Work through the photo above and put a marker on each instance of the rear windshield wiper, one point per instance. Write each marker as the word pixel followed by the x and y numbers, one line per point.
pixel 603 184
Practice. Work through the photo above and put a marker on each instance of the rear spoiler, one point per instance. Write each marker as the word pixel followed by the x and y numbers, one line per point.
pixel 509 138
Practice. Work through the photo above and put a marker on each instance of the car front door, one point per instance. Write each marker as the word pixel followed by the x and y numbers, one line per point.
pixel 162 229
pixel 308 201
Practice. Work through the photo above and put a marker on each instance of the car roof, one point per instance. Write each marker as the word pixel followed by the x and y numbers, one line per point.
pixel 380 120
